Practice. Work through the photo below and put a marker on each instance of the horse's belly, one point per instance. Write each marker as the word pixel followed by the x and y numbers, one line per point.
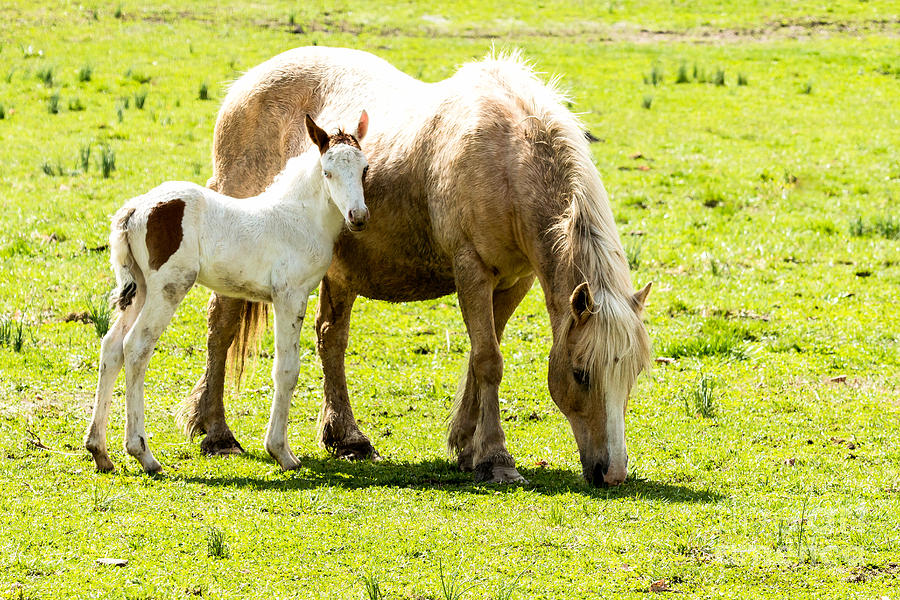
pixel 402 273
pixel 405 286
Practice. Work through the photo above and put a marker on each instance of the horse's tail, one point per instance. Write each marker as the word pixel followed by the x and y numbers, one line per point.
pixel 122 260
pixel 253 321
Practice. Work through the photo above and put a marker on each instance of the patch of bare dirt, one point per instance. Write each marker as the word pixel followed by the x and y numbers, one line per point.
pixel 618 32
pixel 868 572
pixel 776 30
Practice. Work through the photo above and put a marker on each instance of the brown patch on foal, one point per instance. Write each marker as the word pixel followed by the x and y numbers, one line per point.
pixel 164 232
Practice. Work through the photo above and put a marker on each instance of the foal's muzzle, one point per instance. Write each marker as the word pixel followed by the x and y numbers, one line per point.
pixel 358 219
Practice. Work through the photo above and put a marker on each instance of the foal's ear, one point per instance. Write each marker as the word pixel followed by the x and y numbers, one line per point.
pixel 363 126
pixel 640 296
pixel 317 134
pixel 582 303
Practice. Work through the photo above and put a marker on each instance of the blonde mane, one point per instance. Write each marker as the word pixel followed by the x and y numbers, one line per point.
pixel 585 235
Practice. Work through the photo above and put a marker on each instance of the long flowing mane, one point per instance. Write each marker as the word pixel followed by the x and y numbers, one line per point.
pixel 585 237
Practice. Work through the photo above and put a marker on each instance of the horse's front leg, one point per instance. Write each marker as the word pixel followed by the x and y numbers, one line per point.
pixel 461 434
pixel 338 430
pixel 289 313
pixel 475 286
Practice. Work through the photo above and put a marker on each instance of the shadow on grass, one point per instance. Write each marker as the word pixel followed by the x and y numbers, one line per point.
pixel 435 474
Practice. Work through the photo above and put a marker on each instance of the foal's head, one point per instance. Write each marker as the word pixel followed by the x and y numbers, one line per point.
pixel 344 167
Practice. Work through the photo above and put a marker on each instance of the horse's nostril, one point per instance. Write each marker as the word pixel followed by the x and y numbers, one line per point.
pixel 599 474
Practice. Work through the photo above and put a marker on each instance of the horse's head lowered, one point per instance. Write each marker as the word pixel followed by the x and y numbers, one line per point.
pixel 344 167
pixel 602 348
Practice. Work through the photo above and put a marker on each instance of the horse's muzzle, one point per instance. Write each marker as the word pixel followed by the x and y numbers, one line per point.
pixel 600 475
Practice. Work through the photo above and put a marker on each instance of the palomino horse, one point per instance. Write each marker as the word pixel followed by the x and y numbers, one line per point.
pixel 275 249
pixel 479 184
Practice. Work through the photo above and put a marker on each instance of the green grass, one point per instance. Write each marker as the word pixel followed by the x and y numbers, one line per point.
pixel 13 334
pixel 700 399
pixel 767 221
pixel 99 313
pixel 106 161
pixel 85 73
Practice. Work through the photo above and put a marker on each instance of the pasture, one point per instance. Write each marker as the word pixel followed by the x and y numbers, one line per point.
pixel 751 157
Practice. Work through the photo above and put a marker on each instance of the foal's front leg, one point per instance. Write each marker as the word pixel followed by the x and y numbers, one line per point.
pixel 289 314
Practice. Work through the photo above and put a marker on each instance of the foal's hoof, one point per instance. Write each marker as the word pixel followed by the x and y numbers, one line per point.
pixel 287 461
pixel 220 445
pixel 489 473
pixel 103 464
pixel 152 467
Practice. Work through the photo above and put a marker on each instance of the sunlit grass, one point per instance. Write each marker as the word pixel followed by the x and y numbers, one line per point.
pixel 763 444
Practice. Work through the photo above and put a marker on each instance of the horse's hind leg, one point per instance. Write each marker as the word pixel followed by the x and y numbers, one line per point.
pixel 203 411
pixel 338 430
pixel 159 307
pixel 475 285
pixel 462 428
pixel 111 359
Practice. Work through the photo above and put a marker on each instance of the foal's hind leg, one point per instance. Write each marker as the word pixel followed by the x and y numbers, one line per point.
pixel 462 429
pixel 338 430
pixel 475 284
pixel 159 307
pixel 111 359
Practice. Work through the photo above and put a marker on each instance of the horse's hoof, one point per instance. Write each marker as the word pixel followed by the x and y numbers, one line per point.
pixel 465 462
pixel 357 450
pixel 220 445
pixel 489 473
pixel 289 465
pixel 284 457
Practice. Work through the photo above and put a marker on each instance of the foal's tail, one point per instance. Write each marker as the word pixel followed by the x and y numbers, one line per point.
pixel 122 259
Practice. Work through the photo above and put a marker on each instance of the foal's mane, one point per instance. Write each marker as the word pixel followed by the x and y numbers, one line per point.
pixel 586 241
pixel 288 178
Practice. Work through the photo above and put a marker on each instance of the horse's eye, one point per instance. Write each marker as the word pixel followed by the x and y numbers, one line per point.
pixel 365 172
pixel 327 174
pixel 582 377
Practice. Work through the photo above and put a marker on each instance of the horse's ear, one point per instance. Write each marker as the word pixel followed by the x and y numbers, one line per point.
pixel 582 303
pixel 317 134
pixel 363 126
pixel 640 297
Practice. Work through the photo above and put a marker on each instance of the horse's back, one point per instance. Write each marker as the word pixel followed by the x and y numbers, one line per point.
pixel 261 122
pixel 451 163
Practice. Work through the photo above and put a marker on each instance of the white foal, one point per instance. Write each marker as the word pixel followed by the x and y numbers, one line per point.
pixel 272 248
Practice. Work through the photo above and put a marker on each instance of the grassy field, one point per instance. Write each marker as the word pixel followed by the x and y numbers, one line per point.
pixel 752 156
